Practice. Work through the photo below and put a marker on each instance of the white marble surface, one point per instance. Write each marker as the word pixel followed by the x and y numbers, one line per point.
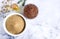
pixel 45 26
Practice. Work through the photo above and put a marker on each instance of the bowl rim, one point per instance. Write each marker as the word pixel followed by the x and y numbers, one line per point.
pixel 6 28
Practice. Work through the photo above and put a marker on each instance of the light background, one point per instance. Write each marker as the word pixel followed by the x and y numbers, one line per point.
pixel 45 26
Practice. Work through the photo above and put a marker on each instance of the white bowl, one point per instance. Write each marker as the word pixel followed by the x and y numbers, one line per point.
pixel 6 28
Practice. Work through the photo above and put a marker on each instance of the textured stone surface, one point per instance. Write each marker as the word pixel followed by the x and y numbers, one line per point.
pixel 45 26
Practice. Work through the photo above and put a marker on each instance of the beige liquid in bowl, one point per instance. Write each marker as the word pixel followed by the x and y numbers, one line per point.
pixel 15 24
